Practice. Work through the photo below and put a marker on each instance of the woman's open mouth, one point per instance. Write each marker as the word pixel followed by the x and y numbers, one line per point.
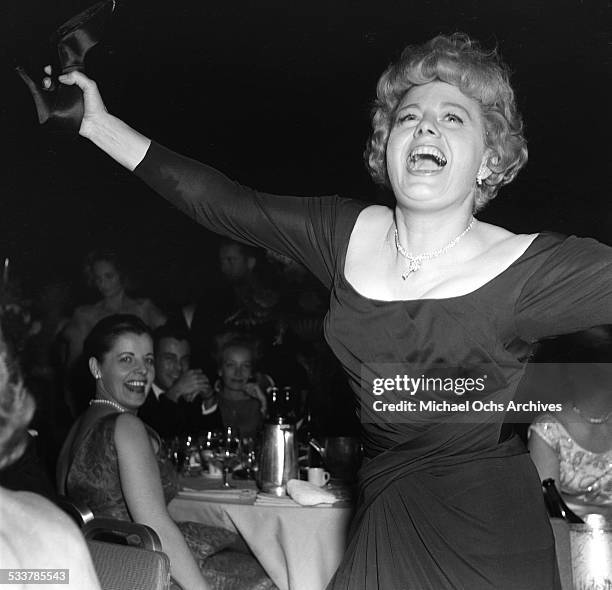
pixel 136 386
pixel 426 159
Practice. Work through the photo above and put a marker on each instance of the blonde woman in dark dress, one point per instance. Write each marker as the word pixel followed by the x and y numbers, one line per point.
pixel 447 500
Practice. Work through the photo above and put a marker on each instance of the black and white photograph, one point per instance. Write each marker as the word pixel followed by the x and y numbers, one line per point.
pixel 306 296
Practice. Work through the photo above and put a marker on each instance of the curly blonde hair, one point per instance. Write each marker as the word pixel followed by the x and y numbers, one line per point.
pixel 479 74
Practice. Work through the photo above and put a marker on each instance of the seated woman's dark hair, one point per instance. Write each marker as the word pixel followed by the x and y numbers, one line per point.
pixel 16 409
pixel 479 74
pixel 104 334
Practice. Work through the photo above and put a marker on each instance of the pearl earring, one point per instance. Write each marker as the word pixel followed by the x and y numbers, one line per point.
pixel 479 178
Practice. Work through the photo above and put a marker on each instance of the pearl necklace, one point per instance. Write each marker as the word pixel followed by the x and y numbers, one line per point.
pixel 414 262
pixel 592 419
pixel 108 402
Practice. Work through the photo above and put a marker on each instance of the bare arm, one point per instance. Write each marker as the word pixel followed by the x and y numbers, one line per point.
pixel 142 489
pixel 118 140
pixel 544 457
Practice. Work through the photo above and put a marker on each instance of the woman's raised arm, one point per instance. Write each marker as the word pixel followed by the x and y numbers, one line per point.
pixel 304 229
pixel 118 140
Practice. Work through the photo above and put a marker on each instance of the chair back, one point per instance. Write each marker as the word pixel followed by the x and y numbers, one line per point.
pixel 124 566
pixel 121 567
pixel 80 513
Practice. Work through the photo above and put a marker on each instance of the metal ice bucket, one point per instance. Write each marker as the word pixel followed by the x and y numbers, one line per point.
pixel 591 546
pixel 278 458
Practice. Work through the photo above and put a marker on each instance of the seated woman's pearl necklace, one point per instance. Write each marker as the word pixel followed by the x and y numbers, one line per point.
pixel 108 402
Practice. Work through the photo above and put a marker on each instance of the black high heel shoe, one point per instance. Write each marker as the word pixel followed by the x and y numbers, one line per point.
pixel 61 107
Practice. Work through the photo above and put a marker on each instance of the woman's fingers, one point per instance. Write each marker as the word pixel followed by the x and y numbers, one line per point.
pixel 47 81
pixel 91 96
pixel 78 78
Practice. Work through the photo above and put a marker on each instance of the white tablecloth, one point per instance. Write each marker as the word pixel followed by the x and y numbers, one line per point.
pixel 300 548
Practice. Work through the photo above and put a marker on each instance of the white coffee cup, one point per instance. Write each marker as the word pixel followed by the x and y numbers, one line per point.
pixel 318 476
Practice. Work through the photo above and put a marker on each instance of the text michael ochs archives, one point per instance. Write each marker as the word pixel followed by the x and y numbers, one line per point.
pixel 407 385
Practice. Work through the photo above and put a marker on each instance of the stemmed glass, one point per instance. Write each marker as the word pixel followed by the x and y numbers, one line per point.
pixel 176 451
pixel 249 457
pixel 228 452
pixel 208 442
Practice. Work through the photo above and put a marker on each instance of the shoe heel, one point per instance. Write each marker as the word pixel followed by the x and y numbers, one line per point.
pixel 61 107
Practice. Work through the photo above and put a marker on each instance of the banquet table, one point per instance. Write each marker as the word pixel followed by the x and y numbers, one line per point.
pixel 299 547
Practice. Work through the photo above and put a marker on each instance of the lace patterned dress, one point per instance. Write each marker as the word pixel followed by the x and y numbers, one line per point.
pixel 93 478
pixel 585 477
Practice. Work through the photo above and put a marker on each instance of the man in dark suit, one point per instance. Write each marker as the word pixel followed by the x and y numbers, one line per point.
pixel 181 400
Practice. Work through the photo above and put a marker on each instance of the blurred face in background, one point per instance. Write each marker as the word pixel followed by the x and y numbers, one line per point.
pixel 126 371
pixel 171 361
pixel 106 278
pixel 236 367
pixel 233 263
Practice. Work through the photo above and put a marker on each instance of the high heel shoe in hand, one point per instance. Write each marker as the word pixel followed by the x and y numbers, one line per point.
pixel 60 106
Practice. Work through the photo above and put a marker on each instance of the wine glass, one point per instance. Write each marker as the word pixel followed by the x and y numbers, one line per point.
pixel 228 452
pixel 175 451
pixel 208 443
pixel 248 459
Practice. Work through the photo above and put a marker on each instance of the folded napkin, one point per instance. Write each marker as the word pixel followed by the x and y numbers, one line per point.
pixel 308 494
pixel 264 499
pixel 224 496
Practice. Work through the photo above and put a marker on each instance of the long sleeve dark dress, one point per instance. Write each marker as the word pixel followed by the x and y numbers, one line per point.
pixel 445 503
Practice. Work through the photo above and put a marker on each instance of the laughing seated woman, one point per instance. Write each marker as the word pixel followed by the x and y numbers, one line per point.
pixel 113 463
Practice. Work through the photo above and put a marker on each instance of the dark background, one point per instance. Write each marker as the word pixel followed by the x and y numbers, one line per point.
pixel 277 94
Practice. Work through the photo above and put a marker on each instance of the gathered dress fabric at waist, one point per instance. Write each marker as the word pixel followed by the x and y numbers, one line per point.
pixel 449 518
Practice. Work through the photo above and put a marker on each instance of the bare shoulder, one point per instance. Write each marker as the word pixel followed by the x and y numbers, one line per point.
pixel 36 534
pixel 135 445
pixel 129 425
pixel 150 313
pixel 498 241
pixel 374 214
pixel 34 521
pixel 131 434
pixel 372 226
